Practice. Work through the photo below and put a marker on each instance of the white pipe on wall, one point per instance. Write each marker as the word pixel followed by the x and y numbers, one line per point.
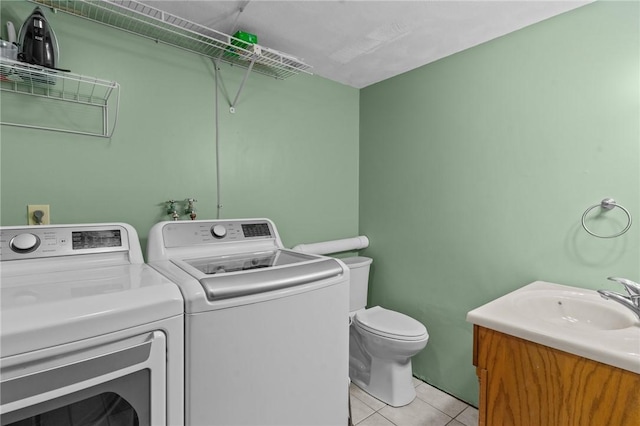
pixel 334 246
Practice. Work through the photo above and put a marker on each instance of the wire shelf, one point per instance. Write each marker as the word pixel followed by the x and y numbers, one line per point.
pixel 25 79
pixel 146 21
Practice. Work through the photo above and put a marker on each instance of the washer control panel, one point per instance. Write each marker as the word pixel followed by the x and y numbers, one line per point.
pixel 42 241
pixel 187 234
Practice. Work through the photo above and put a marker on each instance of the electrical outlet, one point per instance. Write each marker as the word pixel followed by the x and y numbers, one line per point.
pixel 33 211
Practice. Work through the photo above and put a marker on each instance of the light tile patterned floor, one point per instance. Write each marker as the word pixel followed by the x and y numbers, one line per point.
pixel 432 407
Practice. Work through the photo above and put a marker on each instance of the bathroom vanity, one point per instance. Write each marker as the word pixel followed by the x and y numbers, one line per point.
pixel 549 355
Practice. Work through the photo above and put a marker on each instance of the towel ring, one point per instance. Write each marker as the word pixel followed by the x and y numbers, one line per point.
pixel 608 204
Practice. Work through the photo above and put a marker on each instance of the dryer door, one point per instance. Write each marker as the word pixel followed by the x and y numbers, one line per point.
pixel 120 382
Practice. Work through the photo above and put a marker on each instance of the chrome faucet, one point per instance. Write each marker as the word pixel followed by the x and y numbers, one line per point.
pixel 632 301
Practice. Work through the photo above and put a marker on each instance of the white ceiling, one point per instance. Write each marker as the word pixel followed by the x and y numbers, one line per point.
pixel 361 42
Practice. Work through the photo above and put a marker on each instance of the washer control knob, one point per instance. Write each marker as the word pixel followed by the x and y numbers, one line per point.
pixel 24 243
pixel 218 231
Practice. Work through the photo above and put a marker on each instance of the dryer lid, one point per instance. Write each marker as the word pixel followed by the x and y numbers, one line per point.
pixel 384 322
pixel 50 308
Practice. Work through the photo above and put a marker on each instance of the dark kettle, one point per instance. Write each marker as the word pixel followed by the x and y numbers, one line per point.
pixel 38 44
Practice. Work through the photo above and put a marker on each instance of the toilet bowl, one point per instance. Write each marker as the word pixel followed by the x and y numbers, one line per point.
pixel 381 342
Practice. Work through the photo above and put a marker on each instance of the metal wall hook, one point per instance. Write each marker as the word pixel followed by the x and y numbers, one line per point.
pixel 607 204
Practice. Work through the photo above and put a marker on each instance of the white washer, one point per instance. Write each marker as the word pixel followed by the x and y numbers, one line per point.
pixel 267 329
pixel 90 334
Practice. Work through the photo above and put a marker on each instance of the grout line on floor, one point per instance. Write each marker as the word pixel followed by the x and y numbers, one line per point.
pixel 417 383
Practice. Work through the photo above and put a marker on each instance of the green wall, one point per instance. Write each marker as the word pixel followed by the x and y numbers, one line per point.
pixel 289 153
pixel 476 170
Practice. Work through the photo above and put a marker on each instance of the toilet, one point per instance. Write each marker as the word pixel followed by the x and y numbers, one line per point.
pixel 381 342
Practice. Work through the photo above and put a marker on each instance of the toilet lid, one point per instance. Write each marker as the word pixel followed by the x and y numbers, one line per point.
pixel 394 325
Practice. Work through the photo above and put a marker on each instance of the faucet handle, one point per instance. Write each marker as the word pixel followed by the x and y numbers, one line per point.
pixel 632 288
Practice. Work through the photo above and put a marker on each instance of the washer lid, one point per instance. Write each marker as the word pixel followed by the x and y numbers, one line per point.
pixel 386 323
pixel 243 274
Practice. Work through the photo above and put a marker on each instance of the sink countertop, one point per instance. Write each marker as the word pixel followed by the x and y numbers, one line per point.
pixel 618 347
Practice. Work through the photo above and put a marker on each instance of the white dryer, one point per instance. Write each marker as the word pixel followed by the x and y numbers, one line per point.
pixel 267 329
pixel 90 335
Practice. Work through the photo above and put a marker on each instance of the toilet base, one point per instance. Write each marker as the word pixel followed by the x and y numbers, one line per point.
pixel 390 382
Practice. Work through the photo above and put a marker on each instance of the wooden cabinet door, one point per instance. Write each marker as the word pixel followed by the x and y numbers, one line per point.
pixel 526 384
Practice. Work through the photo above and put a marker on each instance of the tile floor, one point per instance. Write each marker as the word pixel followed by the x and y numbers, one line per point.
pixel 432 407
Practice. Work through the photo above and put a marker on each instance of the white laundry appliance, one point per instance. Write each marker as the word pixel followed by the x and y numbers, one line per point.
pixel 90 335
pixel 266 329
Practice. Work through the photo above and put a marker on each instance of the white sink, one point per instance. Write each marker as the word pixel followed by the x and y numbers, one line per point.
pixel 573 309
pixel 570 319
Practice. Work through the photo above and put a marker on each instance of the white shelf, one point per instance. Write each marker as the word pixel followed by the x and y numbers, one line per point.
pixel 146 21
pixel 100 97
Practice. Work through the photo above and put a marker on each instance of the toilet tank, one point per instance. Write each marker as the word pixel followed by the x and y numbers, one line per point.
pixel 359 281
